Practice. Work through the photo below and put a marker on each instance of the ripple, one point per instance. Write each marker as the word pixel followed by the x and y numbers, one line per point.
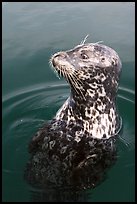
pixel 127 99
pixel 127 90
pixel 34 89
pixel 126 106
pixel 26 110
pixel 126 94
pixel 34 97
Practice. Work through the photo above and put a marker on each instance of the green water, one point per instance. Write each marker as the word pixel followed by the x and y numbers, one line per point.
pixel 31 93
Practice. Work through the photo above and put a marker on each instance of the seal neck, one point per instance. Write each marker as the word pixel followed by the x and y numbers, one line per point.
pixel 96 87
pixel 89 96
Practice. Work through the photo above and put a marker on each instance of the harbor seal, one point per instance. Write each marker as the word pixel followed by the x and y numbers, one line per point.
pixel 78 145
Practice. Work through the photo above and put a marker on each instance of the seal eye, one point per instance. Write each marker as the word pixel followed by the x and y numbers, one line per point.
pixel 84 56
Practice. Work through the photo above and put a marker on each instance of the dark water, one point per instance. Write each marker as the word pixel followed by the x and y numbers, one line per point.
pixel 31 93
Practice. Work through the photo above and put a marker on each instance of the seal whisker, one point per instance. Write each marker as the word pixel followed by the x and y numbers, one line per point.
pixel 75 75
pixel 78 80
pixel 77 85
pixel 56 73
pixel 65 75
pixel 72 82
pixel 67 78
pixel 62 71
pixel 54 70
pixel 83 41
pixel 97 42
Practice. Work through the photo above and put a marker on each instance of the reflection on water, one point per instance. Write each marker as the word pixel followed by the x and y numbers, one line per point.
pixel 58 195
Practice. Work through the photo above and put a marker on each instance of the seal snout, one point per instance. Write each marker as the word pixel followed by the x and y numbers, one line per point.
pixel 58 57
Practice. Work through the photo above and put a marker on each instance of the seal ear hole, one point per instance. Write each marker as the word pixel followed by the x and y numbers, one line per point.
pixel 103 59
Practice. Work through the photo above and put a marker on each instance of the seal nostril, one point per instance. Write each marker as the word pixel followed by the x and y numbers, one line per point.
pixel 60 55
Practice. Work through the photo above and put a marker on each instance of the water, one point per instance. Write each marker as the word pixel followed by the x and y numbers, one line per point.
pixel 31 93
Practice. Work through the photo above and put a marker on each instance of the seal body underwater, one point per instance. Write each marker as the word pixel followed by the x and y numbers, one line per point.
pixel 79 144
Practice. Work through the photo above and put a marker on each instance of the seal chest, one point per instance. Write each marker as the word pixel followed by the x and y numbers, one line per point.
pixel 78 145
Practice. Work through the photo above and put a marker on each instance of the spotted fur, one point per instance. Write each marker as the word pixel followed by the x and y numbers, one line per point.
pixel 78 145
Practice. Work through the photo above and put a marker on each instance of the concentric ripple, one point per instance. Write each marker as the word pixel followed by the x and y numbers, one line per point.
pixel 24 111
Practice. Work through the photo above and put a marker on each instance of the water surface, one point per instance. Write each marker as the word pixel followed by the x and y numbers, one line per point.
pixel 31 92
